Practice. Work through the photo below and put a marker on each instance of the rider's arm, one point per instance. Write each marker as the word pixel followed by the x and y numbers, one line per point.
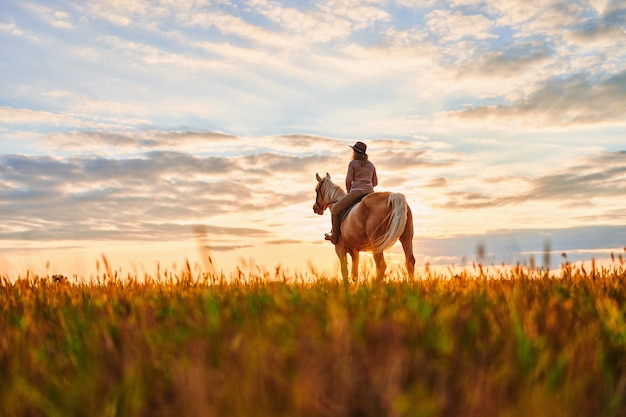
pixel 374 178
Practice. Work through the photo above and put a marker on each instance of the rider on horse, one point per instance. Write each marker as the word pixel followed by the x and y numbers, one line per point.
pixel 360 181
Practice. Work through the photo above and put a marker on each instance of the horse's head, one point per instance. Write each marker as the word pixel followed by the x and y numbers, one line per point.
pixel 320 197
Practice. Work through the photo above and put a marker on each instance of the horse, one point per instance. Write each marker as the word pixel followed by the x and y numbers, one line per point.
pixel 373 224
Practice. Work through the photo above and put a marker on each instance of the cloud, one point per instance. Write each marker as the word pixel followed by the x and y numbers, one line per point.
pixel 152 56
pixel 48 121
pixel 519 246
pixel 617 216
pixel 17 116
pixel 116 190
pixel 360 13
pixel 304 143
pixel 284 242
pixel 227 248
pixel 533 18
pixel 330 20
pixel 508 61
pixel 598 177
pixel 230 25
pixel 575 100
pixel 291 27
pixel 57 18
pixel 436 183
pixel 454 26
pixel 141 186
pixel 11 29
pixel 396 161
pixel 122 13
pixel 102 141
pixel 132 232
pixel 598 33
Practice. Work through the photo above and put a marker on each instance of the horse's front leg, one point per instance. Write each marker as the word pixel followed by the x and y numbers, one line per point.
pixel 381 266
pixel 341 252
pixel 354 254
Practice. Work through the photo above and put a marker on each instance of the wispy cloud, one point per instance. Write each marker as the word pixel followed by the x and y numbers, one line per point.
pixel 58 18
pixel 11 29
pixel 509 61
pixel 598 177
pixel 576 100
pixel 454 26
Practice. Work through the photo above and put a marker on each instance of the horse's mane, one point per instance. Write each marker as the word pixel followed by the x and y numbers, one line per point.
pixel 331 191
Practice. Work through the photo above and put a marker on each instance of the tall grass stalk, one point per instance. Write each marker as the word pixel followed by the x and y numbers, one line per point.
pixel 517 342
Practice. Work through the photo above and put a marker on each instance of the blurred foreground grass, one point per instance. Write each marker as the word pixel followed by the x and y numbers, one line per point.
pixel 516 343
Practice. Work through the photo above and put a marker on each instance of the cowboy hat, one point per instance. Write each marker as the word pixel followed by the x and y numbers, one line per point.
pixel 359 147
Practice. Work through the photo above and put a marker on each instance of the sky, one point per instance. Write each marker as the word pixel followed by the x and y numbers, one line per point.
pixel 145 133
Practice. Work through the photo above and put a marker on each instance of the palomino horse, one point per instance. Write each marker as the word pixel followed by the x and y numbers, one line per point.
pixel 373 224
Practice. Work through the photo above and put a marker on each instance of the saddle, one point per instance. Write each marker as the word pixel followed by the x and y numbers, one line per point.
pixel 338 220
pixel 345 213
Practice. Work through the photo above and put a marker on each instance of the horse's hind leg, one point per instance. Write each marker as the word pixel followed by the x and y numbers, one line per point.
pixel 407 244
pixel 381 266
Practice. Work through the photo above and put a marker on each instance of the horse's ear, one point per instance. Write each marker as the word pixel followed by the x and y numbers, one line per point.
pixel 319 179
pixel 327 175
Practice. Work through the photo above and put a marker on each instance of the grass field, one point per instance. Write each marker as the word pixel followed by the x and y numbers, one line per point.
pixel 512 343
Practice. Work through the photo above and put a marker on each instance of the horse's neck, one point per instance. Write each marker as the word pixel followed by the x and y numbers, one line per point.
pixel 335 192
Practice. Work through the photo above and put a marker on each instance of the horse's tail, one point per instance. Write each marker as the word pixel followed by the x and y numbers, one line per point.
pixel 395 221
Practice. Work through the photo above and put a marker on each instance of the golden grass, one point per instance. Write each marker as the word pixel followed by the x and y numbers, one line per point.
pixel 518 342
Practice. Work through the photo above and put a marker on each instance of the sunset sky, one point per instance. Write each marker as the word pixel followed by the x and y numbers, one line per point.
pixel 154 131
